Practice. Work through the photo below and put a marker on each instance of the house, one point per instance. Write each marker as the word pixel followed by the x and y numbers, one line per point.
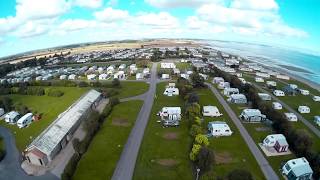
pixel 289 90
pixel 276 105
pixel 259 79
pixel 91 77
pixel 228 91
pixel 252 115
pixel 297 169
pixel 304 92
pixel 139 76
pixel 168 65
pixel 1 112
pixel 170 116
pixel 264 96
pixel 217 80
pixel 316 98
pixel 317 120
pixel 56 136
pixel 291 117
pixel 223 85
pixel 165 76
pixel 211 111
pixel 276 142
pixel 219 128
pixel 12 117
pixel 271 84
pixel 72 77
pixel 103 76
pixel 25 120
pixel 304 109
pixel 170 91
pixel 238 99
pixel 278 93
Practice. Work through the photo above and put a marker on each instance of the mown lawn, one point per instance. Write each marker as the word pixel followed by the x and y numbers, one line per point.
pixel 104 152
pixel 231 152
pixel 129 89
pixel 183 66
pixel 164 153
pixel 49 107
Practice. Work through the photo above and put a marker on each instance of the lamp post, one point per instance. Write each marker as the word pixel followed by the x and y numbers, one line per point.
pixel 198 170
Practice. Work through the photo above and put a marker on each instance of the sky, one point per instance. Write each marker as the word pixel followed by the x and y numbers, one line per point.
pixel 36 24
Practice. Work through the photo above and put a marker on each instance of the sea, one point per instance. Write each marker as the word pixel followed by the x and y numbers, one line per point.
pixel 295 62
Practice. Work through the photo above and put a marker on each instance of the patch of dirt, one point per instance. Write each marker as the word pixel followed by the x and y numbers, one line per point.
pixel 262 129
pixel 170 135
pixel 223 158
pixel 120 122
pixel 167 162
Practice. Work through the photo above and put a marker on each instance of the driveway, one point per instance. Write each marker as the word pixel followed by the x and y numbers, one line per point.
pixel 263 163
pixel 126 164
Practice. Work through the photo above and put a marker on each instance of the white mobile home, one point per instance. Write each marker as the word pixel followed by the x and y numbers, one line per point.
pixel 170 91
pixel 139 76
pixel 1 112
pixel 185 76
pixel 304 92
pixel 229 91
pixel 217 80
pixel 291 117
pixel 304 109
pixel 316 98
pixel 170 116
pixel 238 99
pixel 72 77
pixel 259 79
pixel 204 76
pixel 276 142
pixel 297 169
pixel 103 76
pixel 119 75
pixel 264 96
pixel 264 75
pixel 176 71
pixel 122 66
pixel 211 111
pixel 219 128
pixel 223 85
pixel 91 77
pixel 317 120
pixel 25 120
pixel 282 77
pixel 168 65
pixel 252 115
pixel 165 76
pixel 63 77
pixel 12 117
pixel 243 81
pixel 278 93
pixel 271 83
pixel 276 106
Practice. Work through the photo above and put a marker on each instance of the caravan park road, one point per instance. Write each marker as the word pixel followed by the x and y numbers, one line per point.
pixel 125 167
pixel 263 163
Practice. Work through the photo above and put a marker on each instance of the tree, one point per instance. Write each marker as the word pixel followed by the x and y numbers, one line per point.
pixel 193 110
pixel 193 98
pixel 195 130
pixel 114 101
pixel 194 152
pixel 6 103
pixel 202 140
pixel 239 174
pixel 115 83
pixel 76 145
pixel 197 80
pixel 205 159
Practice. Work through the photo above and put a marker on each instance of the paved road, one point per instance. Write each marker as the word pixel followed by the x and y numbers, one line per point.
pixel 10 166
pixel 126 164
pixel 263 163
pixel 300 117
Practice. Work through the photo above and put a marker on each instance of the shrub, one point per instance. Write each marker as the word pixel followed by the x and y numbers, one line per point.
pixel 114 101
pixel 83 84
pixel 205 159
pixel 70 167
pixel 195 130
pixel 202 140
pixel 194 152
pixel 115 83
pixel 112 92
pixel 54 92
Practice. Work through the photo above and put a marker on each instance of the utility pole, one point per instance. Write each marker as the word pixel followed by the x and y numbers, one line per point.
pixel 198 171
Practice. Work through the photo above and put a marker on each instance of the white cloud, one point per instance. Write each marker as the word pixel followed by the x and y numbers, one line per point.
pixel 160 20
pixel 255 4
pixel 33 28
pixel 113 2
pixel 110 15
pixel 179 3
pixel 194 22
pixel 92 4
pixel 76 24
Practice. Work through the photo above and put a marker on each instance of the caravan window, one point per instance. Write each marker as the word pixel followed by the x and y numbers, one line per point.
pixel 227 131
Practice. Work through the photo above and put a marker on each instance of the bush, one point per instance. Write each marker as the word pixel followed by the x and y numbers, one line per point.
pixel 54 92
pixel 70 167
pixel 202 140
pixel 205 159
pixel 195 130
pixel 112 92
pixel 83 84
pixel 239 174
pixel 114 101
pixel 115 83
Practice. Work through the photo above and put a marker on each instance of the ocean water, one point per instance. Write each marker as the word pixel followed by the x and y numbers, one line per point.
pixel 306 65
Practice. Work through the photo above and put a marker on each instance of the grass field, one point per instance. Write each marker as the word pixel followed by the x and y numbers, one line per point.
pixel 183 66
pixel 50 107
pixel 158 149
pixel 104 152
pixel 231 152
pixel 129 89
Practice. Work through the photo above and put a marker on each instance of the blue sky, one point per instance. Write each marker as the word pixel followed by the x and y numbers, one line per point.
pixel 32 24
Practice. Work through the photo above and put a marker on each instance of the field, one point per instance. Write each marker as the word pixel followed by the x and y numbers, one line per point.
pixel 104 152
pixel 129 89
pixel 164 151
pixel 50 107
pixel 183 66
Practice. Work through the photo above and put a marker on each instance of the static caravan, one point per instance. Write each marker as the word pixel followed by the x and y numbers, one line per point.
pixel 259 79
pixel 63 77
pixel 103 76
pixel 170 91
pixel 293 86
pixel 278 93
pixel 223 85
pixel 291 117
pixel 243 81
pixel 146 71
pixel 119 75
pixel 219 128
pixel 170 116
pixel 139 76
pixel 176 71
pixel 297 169
pixel 238 99
pixel 229 91
pixel 317 120
pixel 289 90
pixel 185 76
pixel 264 96
pixel 1 111
pixel 168 65
pixel 12 117
pixel 316 98
pixel 217 80
pixel 122 66
pixel 165 76
pixel 304 92
pixel 264 75
pixel 282 77
pixel 271 84
pixel 211 111
pixel 25 120
pixel 252 115
pixel 276 142
pixel 91 77
pixel 276 106
pixel 72 77
pixel 304 109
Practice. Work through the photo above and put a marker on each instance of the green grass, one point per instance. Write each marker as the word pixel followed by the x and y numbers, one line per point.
pixel 233 145
pixel 129 89
pixel 50 107
pixel 155 147
pixel 183 66
pixel 104 152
